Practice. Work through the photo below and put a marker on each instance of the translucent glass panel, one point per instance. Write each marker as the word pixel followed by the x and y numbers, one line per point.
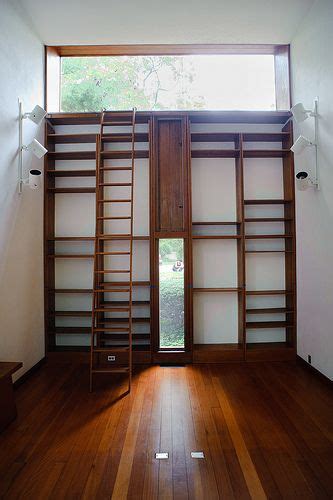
pixel 171 293
pixel 190 82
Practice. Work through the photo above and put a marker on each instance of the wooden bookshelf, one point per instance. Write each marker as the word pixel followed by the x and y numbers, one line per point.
pixel 233 144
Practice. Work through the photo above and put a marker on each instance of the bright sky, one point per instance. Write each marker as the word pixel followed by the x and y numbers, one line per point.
pixel 226 82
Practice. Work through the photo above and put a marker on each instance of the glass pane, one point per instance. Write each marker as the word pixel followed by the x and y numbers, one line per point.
pixel 171 286
pixel 189 82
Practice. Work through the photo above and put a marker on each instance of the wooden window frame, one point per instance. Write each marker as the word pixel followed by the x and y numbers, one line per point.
pixel 53 56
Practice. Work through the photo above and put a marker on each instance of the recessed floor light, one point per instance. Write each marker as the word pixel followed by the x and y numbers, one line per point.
pixel 162 455
pixel 197 454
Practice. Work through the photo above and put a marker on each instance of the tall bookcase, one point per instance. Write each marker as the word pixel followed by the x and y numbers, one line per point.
pixel 241 274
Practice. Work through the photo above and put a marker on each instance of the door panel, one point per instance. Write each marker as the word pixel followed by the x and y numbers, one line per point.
pixel 170 175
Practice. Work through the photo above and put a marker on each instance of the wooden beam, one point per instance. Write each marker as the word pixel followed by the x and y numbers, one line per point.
pixel 282 77
pixel 52 79
pixel 162 49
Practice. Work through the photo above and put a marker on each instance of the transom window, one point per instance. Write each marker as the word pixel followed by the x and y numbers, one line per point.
pixel 168 82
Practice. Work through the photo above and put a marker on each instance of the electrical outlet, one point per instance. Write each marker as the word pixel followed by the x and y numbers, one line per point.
pixel 111 358
pixel 309 359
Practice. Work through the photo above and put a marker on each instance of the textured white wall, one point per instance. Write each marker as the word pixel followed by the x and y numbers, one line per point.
pixel 312 75
pixel 21 217
pixel 158 21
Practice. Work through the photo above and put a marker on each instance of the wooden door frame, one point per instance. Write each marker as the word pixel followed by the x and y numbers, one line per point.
pixel 53 55
pixel 170 355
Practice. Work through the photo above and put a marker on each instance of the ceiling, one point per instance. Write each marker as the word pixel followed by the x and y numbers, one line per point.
pixel 75 22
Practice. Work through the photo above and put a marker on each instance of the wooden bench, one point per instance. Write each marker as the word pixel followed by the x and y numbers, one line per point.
pixel 7 402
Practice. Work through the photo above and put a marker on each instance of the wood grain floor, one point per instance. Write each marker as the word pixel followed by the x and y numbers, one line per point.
pixel 266 431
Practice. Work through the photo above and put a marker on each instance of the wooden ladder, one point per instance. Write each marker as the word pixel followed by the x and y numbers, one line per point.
pixel 112 335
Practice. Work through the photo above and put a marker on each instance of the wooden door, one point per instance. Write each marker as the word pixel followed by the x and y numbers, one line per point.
pixel 170 221
pixel 170 175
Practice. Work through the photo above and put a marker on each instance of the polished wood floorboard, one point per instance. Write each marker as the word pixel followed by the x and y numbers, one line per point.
pixel 266 431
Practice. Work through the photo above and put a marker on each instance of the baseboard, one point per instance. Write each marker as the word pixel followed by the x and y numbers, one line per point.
pixel 314 370
pixel 28 373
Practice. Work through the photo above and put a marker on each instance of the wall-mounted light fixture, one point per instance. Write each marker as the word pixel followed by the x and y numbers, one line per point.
pixel 36 116
pixel 36 148
pixel 300 114
pixel 300 144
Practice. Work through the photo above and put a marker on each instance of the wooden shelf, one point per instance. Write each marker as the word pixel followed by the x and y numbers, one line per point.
pixel 266 153
pixel 92 238
pixel 72 190
pixel 217 290
pixel 215 153
pixel 89 290
pixel 71 155
pixel 269 251
pixel 238 116
pixel 267 202
pixel 72 238
pixel 70 256
pixel 214 136
pixel 215 223
pixel 72 173
pixel 125 283
pixel 70 290
pixel 114 320
pixel 71 138
pixel 267 236
pixel 216 237
pixel 72 313
pixel 268 292
pixel 139 137
pixel 69 330
pixel 126 155
pixel 135 303
pixel 268 219
pixel 88 118
pixel 265 136
pixel 268 324
pixel 269 310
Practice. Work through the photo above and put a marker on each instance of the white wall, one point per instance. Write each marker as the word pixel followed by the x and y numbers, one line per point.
pixel 158 21
pixel 21 217
pixel 312 75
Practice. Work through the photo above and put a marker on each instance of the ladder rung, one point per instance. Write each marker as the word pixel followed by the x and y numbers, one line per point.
pixel 112 290
pixel 110 349
pixel 116 124
pixel 117 184
pixel 111 271
pixel 114 201
pixel 110 370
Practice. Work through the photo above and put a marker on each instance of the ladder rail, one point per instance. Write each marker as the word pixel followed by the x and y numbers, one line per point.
pixel 95 276
pixel 131 250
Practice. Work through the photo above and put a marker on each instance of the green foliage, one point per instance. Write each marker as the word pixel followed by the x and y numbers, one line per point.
pixel 168 246
pixel 121 83
pixel 172 309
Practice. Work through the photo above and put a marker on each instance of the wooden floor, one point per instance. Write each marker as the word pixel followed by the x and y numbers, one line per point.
pixel 266 431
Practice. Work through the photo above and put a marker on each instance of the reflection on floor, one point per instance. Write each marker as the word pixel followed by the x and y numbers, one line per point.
pixel 265 431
